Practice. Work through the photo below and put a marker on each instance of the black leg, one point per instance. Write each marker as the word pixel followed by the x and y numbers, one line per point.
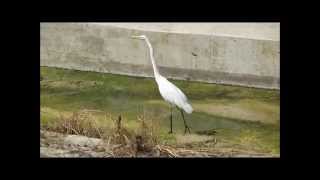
pixel 170 132
pixel 186 127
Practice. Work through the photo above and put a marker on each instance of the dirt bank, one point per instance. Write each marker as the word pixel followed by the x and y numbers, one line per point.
pixel 54 144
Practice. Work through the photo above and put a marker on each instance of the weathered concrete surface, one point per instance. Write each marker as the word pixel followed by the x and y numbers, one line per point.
pixel 262 31
pixel 228 53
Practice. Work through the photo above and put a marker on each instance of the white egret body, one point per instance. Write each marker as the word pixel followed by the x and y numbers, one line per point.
pixel 173 95
pixel 169 92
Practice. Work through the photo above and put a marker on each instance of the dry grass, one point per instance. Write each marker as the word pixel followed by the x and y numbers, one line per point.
pixel 144 141
pixel 124 142
pixel 79 123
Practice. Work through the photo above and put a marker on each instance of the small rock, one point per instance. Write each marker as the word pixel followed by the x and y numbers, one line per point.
pixel 82 141
pixel 100 149
pixel 51 152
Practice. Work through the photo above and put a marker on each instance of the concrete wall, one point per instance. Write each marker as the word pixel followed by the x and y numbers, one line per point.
pixel 229 56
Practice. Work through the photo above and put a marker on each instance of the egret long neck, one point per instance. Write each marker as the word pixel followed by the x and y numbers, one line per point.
pixel 155 69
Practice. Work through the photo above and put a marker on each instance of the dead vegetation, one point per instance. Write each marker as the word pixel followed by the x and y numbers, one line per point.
pixel 141 142
pixel 120 141
pixel 79 123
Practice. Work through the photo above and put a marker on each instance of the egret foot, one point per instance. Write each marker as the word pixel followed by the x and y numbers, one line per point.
pixel 170 132
pixel 186 128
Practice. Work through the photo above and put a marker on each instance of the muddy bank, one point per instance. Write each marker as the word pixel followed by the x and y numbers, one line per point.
pixel 54 144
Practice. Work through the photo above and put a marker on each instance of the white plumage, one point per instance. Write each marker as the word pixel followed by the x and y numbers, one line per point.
pixel 173 95
pixel 169 92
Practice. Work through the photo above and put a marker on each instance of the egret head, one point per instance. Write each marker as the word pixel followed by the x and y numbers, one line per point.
pixel 143 37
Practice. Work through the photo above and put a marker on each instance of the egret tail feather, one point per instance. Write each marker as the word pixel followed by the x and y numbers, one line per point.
pixel 188 108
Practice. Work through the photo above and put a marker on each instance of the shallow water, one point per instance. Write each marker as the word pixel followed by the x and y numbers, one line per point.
pixel 245 117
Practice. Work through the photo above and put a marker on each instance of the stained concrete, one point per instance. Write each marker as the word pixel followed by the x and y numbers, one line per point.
pixel 226 53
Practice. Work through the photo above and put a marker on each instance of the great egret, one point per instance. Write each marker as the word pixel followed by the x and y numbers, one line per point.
pixel 169 92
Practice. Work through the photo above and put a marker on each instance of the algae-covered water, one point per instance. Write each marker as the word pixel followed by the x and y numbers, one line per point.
pixel 246 118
